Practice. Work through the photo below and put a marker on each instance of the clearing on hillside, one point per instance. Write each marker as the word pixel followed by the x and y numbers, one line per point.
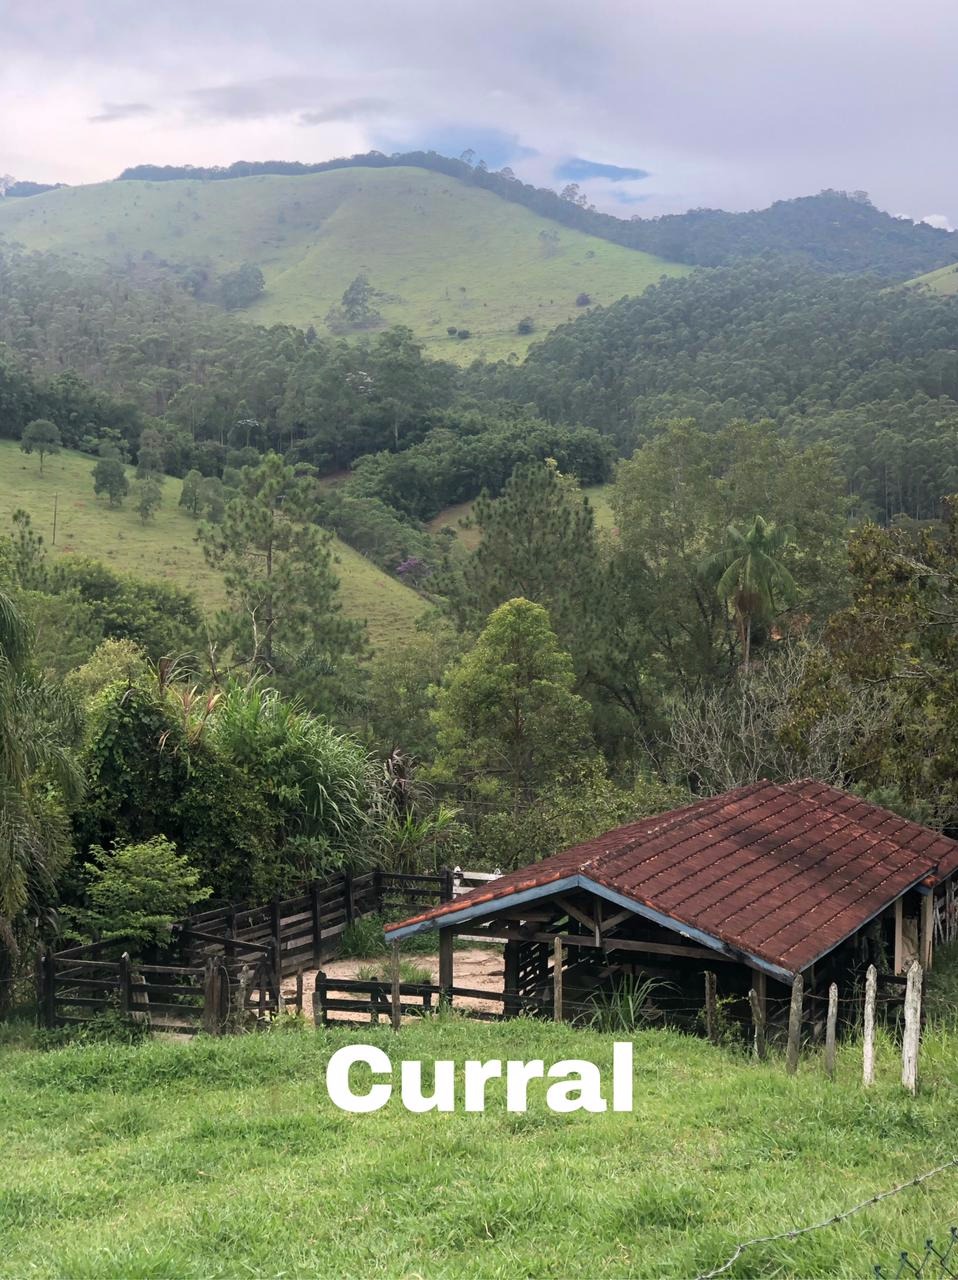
pixel 166 547
pixel 442 255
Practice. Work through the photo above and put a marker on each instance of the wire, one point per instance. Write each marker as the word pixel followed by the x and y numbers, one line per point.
pixel 828 1222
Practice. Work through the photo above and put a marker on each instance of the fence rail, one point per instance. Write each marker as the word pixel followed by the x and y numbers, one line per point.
pixel 225 962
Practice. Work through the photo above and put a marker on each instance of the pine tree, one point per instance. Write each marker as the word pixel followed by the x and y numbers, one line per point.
pixel 284 615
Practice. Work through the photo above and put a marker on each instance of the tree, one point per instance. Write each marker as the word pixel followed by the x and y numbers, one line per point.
pixel 136 892
pixel 148 495
pixel 109 477
pixel 191 496
pixel 752 576
pixel 241 287
pixel 538 542
pixel 41 436
pixel 39 779
pixel 150 456
pixel 507 718
pixel 284 615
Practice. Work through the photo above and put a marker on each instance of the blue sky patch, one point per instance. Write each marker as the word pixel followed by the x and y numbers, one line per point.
pixel 494 146
pixel 579 170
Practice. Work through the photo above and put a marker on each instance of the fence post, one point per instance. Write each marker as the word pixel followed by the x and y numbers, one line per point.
pixel 210 983
pixel 795 1025
pixel 868 1042
pixel 758 1021
pixel 125 983
pixel 711 1007
pixel 396 1007
pixel 40 981
pixel 316 907
pixel 830 1027
pixel 378 889
pixel 557 980
pixel 446 885
pixel 50 988
pixel 320 1016
pixel 242 992
pixel 276 928
pixel 510 979
pixel 348 897
pixel 910 1040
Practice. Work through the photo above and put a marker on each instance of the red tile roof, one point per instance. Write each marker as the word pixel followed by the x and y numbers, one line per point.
pixel 783 873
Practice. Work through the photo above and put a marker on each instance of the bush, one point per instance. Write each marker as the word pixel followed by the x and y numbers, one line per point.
pixel 525 325
pixel 137 891
pixel 463 333
pixel 451 330
pixel 583 300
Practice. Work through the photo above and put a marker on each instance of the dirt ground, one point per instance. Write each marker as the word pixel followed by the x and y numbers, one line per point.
pixel 479 968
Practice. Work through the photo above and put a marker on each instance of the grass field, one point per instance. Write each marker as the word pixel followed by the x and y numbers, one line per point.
pixel 225 1158
pixel 443 253
pixel 469 537
pixel 944 280
pixel 166 547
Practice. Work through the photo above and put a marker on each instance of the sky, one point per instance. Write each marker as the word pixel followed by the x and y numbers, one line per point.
pixel 652 106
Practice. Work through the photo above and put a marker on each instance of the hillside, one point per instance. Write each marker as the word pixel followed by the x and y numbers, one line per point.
pixel 944 281
pixel 836 231
pixel 439 252
pixel 166 547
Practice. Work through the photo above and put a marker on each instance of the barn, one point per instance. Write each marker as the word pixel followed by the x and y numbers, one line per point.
pixel 755 886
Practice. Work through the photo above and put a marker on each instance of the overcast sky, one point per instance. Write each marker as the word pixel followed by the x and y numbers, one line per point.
pixel 727 103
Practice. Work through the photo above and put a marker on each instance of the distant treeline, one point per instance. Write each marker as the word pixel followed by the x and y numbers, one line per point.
pixel 32 188
pixel 837 231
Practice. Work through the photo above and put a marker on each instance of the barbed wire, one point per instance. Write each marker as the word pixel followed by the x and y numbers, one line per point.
pixel 795 1232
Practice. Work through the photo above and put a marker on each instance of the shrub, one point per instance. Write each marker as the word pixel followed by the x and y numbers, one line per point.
pixel 451 330
pixel 136 891
pixel 463 333
pixel 525 325
pixel 583 300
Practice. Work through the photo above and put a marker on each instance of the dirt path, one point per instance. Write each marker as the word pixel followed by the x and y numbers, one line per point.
pixel 479 968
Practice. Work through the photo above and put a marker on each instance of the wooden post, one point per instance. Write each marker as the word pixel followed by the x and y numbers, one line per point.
pixel 795 1025
pixel 276 928
pixel 445 966
pixel 378 889
pixel 557 980
pixel 510 979
pixel 348 904
pixel 909 1052
pixel 320 1016
pixel 299 989
pixel 830 1029
pixel 316 907
pixel 899 941
pixel 126 991
pixel 711 1006
pixel 242 992
pixel 210 992
pixel 446 885
pixel 757 1000
pixel 927 931
pixel 396 1003
pixel 50 988
pixel 868 1049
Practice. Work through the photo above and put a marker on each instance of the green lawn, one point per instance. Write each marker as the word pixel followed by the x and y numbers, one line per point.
pixel 441 252
pixel 225 1158
pixel 166 547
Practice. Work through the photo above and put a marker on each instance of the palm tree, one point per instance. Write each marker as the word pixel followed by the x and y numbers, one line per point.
pixel 752 577
pixel 38 773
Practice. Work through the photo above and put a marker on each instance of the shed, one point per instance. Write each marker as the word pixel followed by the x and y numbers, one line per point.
pixel 759 884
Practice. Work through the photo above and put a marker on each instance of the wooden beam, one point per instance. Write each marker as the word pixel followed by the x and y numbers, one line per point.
pixel 607 944
pixel 557 980
pixel 576 914
pixel 899 941
pixel 510 979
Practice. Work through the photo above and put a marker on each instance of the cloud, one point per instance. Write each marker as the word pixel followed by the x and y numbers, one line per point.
pixel 939 220
pixel 728 105
pixel 577 170
pixel 352 109
pixel 111 112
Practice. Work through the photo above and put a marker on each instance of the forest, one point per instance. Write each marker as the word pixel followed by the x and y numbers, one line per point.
pixel 777 447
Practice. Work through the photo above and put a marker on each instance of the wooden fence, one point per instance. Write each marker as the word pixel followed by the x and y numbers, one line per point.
pixel 228 962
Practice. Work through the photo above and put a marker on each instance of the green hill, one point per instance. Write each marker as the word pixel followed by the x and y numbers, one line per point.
pixel 943 281
pixel 166 547
pixel 439 252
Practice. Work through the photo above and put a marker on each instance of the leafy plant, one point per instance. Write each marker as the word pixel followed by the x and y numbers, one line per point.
pixel 628 1006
